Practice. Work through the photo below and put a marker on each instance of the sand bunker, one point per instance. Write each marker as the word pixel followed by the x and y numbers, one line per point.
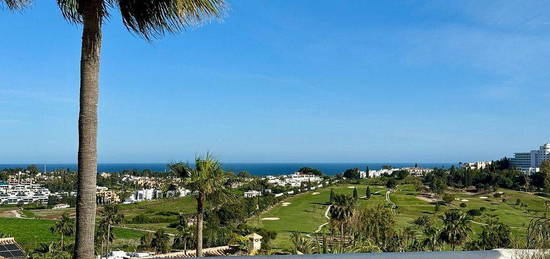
pixel 483 197
pixel 271 219
pixel 351 187
pixel 284 204
pixel 315 193
pixel 464 200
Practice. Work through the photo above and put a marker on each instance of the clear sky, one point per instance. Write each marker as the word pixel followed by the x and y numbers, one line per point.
pixel 288 81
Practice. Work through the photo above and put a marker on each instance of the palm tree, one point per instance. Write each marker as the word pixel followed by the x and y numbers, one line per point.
pixel 183 235
pixel 15 4
pixel 456 228
pixel 302 245
pixel 161 242
pixel 207 180
pixel 64 227
pixel 111 216
pixel 341 211
pixel 147 18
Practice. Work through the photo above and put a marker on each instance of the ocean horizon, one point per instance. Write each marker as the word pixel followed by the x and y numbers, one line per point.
pixel 253 168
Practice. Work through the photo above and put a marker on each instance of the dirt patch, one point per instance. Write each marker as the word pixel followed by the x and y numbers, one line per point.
pixel 284 204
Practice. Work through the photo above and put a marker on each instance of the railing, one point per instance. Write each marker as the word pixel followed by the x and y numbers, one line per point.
pixel 490 254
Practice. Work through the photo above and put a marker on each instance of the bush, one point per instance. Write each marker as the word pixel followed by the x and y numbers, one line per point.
pixel 482 209
pixel 474 212
pixel 448 198
pixel 463 205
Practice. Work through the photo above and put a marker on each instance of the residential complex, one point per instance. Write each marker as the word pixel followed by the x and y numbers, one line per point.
pixel 23 192
pixel 529 161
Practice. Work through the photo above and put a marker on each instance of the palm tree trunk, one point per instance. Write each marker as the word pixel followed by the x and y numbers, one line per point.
pixel 200 217
pixel 108 237
pixel 87 130
pixel 62 244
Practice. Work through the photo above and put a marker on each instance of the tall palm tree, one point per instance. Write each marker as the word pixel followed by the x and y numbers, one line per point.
pixel 456 228
pixel 147 18
pixel 111 216
pixel 207 180
pixel 64 227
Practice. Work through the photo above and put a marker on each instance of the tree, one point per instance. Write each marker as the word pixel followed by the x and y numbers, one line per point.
pixel 15 4
pixel 494 235
pixel 545 170
pixel 448 198
pixel 145 242
pixel 208 180
pixel 368 194
pixel 63 227
pixel 367 172
pixel 355 194
pixel 161 242
pixel 111 216
pixel 302 244
pixel 309 170
pixel 331 196
pixel 391 183
pixel 147 18
pixel 352 173
pixel 183 235
pixel 456 228
pixel 341 210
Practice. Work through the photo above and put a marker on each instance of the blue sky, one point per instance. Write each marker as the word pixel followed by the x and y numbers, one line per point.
pixel 288 81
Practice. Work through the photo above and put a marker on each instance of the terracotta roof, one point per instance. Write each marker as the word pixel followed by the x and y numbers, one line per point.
pixel 212 251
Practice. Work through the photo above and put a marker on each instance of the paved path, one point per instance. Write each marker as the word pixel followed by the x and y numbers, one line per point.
pixel 324 224
pixel 388 199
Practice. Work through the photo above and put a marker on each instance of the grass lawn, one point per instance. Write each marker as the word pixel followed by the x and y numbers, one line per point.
pixel 305 213
pixel 31 232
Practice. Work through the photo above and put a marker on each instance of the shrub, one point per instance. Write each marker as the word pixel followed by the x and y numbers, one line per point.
pixel 463 205
pixel 474 212
pixel 482 209
pixel 448 198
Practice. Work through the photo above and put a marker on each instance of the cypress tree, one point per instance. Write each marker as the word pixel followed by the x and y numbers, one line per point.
pixel 368 194
pixel 331 197
pixel 355 195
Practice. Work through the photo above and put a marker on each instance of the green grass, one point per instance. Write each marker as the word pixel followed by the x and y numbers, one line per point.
pixel 186 205
pixel 306 211
pixel 29 233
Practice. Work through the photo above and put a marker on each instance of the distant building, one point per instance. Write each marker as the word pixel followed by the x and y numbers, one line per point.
pixel 476 165
pixel 252 194
pixel 529 161
pixel 105 196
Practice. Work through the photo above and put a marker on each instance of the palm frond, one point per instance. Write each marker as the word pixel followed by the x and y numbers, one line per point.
pixel 16 4
pixel 153 18
pixel 73 10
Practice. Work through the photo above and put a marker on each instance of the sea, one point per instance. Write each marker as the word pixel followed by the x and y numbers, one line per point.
pixel 253 168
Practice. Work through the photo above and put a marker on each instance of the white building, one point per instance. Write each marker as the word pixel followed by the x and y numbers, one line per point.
pixel 252 193
pixel 529 161
pixel 476 165
pixel 14 194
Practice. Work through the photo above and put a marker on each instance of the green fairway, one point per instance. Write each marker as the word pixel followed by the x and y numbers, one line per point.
pixel 31 232
pixel 305 212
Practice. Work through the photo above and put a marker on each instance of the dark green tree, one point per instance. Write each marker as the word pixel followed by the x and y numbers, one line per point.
pixel 355 194
pixel 368 194
pixel 456 228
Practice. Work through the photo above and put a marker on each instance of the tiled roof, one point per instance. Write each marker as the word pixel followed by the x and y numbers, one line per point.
pixel 213 251
pixel 9 249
